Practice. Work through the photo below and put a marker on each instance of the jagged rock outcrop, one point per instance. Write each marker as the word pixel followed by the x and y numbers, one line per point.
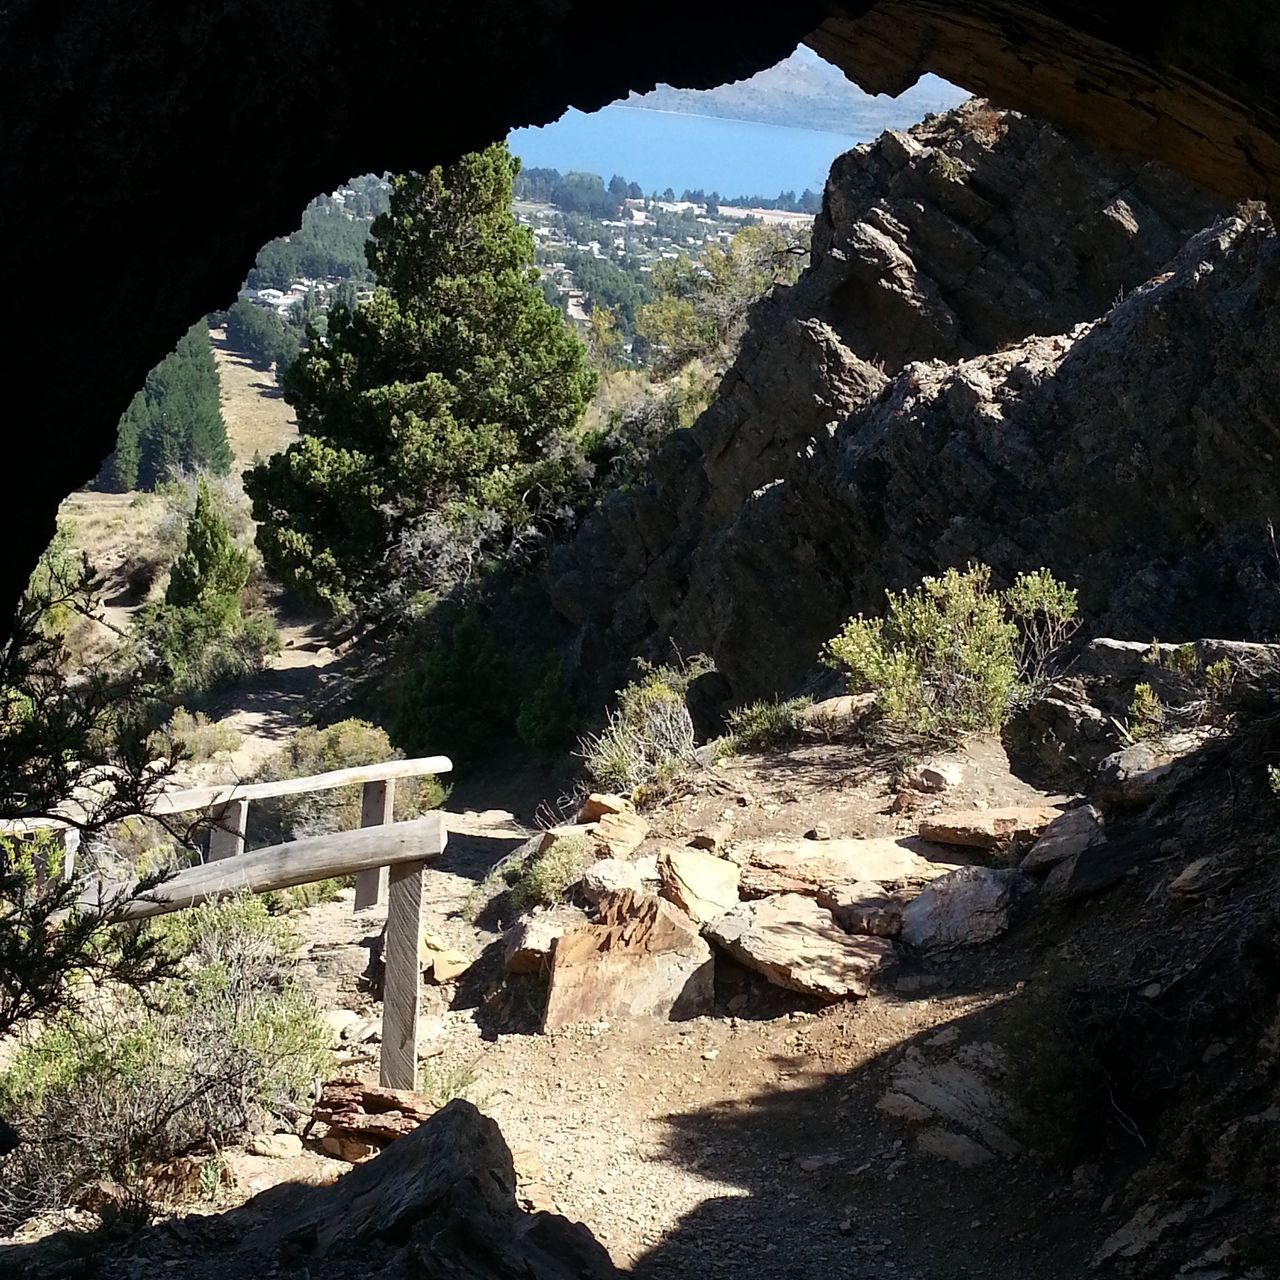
pixel 959 238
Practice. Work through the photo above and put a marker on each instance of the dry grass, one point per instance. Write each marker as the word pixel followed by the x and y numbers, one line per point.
pixel 258 420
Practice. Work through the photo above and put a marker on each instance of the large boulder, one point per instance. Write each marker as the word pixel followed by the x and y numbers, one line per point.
pixel 967 907
pixel 444 1194
pixel 796 944
pixel 642 958
pixel 812 482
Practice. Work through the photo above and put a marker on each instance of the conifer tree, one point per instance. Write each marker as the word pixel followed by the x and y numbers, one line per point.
pixel 175 421
pixel 435 399
pixel 211 572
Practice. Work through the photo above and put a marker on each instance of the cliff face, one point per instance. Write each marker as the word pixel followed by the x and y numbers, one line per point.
pixel 953 242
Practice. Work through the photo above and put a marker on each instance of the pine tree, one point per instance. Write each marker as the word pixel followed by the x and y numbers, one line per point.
pixel 212 571
pixel 435 398
pixel 175 421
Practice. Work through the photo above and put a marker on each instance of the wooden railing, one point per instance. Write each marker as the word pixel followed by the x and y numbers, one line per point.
pixel 389 860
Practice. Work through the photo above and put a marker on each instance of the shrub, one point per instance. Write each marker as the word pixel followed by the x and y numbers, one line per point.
pixel 549 875
pixel 458 697
pixel 126 1085
pixel 194 736
pixel 547 717
pixel 1146 713
pixel 344 745
pixel 951 657
pixel 650 735
pixel 760 725
pixel 1046 613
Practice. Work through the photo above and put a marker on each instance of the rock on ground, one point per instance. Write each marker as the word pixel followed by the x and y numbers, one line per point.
pixel 699 883
pixel 806 866
pixel 1067 836
pixel 988 828
pixel 967 907
pixel 527 944
pixel 796 944
pixel 643 958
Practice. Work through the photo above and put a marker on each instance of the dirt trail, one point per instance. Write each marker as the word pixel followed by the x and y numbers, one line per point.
pixel 726 1145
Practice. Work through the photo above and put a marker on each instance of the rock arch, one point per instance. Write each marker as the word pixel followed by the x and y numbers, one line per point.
pixel 150 146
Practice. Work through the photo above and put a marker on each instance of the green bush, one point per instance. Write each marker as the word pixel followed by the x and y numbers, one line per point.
pixel 126 1085
pixel 1146 713
pixel 193 736
pixel 344 745
pixel 548 876
pixel 649 737
pixel 458 698
pixel 761 725
pixel 548 718
pixel 951 657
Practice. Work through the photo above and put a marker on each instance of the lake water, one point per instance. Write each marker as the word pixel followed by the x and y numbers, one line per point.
pixel 660 149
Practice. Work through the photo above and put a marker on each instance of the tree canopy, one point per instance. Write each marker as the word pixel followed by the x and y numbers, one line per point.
pixel 174 422
pixel 436 398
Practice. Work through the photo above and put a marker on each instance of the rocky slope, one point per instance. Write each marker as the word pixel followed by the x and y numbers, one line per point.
pixel 818 478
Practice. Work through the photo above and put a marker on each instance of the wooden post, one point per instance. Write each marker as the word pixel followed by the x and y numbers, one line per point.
pixel 402 976
pixel 377 805
pixel 226 835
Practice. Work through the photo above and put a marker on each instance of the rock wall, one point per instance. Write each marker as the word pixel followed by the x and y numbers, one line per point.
pixel 952 242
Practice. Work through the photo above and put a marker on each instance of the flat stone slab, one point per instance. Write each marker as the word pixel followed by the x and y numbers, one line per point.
pixel 988 828
pixel 807 866
pixel 796 944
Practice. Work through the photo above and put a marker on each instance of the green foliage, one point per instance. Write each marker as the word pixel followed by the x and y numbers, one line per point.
pixel 1218 679
pixel 1146 713
pixel 549 875
pixel 175 421
pixel 346 744
pixel 212 571
pixel 548 718
pixel 649 737
pixel 945 659
pixel 195 652
pixel 437 397
pixel 1046 614
pixel 193 736
pixel 698 307
pixel 262 335
pixel 761 725
pixel 125 1085
pixel 457 696
pixel 198 638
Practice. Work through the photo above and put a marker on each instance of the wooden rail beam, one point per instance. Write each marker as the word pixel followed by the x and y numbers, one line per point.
pixel 279 867
pixel 199 798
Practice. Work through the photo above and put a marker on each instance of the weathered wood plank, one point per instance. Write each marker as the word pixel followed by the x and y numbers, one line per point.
pixel 280 867
pixel 209 797
pixel 377 808
pixel 402 975
pixel 226 835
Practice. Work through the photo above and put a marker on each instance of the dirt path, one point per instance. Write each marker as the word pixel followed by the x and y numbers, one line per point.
pixel 727 1146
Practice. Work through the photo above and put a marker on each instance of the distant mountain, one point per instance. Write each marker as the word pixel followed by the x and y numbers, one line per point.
pixel 807 93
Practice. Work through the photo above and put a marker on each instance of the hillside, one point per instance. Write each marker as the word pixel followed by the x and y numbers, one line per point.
pixel 805 92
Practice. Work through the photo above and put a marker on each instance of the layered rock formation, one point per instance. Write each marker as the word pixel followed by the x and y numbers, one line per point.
pixel 814 482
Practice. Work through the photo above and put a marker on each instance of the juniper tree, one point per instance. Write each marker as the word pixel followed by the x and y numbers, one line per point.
pixel 436 399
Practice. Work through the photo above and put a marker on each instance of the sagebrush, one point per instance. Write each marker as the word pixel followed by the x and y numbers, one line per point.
pixel 122 1086
pixel 953 656
pixel 649 735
